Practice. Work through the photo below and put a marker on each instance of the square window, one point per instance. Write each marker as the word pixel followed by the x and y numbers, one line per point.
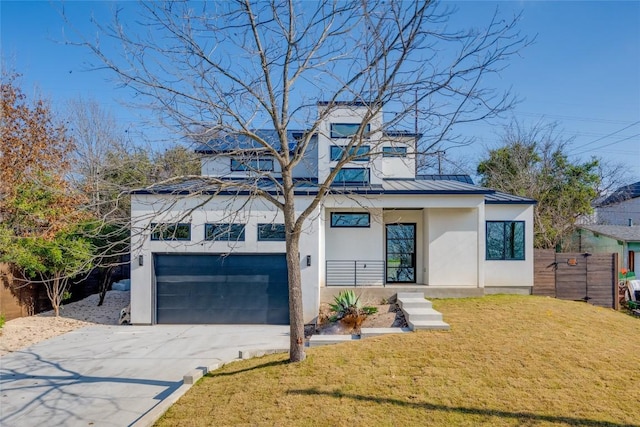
pixel 180 231
pixel 505 240
pixel 360 154
pixel 224 232
pixel 271 232
pixel 394 151
pixel 347 130
pixel 352 176
pixel 350 219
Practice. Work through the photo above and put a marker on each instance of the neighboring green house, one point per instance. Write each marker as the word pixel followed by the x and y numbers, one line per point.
pixel 622 239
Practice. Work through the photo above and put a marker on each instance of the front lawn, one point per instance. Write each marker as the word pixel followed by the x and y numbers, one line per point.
pixel 507 361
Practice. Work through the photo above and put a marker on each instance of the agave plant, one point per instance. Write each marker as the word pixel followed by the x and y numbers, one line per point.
pixel 349 310
pixel 345 302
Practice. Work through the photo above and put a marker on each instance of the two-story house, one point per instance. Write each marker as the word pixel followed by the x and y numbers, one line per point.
pixel 216 254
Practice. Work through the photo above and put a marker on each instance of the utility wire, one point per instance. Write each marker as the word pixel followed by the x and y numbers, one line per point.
pixel 611 134
pixel 608 145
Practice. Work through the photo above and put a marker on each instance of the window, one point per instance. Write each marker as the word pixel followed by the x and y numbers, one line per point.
pixel 505 240
pixel 350 219
pixel 181 231
pixel 271 232
pixel 361 153
pixel 347 130
pixel 224 232
pixel 394 151
pixel 259 164
pixel 352 176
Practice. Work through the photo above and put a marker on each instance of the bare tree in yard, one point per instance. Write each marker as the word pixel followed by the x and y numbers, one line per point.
pixel 105 166
pixel 229 68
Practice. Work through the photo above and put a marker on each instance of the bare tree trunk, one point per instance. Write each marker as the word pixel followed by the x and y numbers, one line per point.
pixel 56 295
pixel 105 278
pixel 296 318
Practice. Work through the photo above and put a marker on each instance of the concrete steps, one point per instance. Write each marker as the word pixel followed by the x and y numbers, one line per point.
pixel 436 325
pixel 419 313
pixel 411 302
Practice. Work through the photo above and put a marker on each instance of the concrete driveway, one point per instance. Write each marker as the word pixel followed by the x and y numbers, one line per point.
pixel 117 375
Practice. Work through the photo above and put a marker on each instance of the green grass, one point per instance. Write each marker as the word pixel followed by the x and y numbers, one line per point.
pixel 507 361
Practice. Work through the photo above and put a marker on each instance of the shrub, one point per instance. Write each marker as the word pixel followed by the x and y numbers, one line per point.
pixel 369 310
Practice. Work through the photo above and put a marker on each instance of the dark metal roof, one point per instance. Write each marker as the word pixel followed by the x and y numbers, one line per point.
pixel 240 186
pixel 227 186
pixel 619 232
pixel 417 186
pixel 499 198
pixel 310 187
pixel 461 178
pixel 623 193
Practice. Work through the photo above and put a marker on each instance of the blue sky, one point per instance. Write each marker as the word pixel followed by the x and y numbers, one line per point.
pixel 583 71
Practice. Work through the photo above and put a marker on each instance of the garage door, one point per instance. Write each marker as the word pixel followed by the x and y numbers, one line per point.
pixel 212 289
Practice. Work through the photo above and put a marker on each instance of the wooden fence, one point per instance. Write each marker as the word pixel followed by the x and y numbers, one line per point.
pixel 16 300
pixel 577 276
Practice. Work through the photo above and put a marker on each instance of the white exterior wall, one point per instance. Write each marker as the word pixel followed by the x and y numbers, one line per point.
pixel 347 114
pixel 399 167
pixel 219 165
pixel 511 272
pixel 449 234
pixel 158 209
pixel 453 252
pixel 354 243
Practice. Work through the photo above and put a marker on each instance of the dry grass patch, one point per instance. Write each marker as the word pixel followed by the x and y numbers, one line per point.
pixel 507 361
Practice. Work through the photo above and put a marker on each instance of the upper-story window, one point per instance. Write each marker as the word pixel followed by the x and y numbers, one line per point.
pixel 352 176
pixel 260 164
pixel 180 231
pixel 360 154
pixel 347 130
pixel 394 151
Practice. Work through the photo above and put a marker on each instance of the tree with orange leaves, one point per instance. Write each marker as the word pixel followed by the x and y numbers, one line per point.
pixel 40 213
pixel 34 154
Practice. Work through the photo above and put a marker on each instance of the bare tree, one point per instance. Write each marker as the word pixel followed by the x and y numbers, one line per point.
pixel 230 68
pixel 533 162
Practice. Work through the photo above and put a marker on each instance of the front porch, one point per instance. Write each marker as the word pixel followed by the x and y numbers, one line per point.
pixel 381 247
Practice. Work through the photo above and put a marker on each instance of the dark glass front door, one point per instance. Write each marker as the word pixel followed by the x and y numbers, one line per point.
pixel 401 253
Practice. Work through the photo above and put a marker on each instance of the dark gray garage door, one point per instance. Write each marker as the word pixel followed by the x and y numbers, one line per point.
pixel 211 289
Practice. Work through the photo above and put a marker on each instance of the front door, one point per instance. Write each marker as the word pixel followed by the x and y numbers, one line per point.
pixel 401 253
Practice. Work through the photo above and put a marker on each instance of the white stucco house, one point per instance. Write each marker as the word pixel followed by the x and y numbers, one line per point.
pixel 214 254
